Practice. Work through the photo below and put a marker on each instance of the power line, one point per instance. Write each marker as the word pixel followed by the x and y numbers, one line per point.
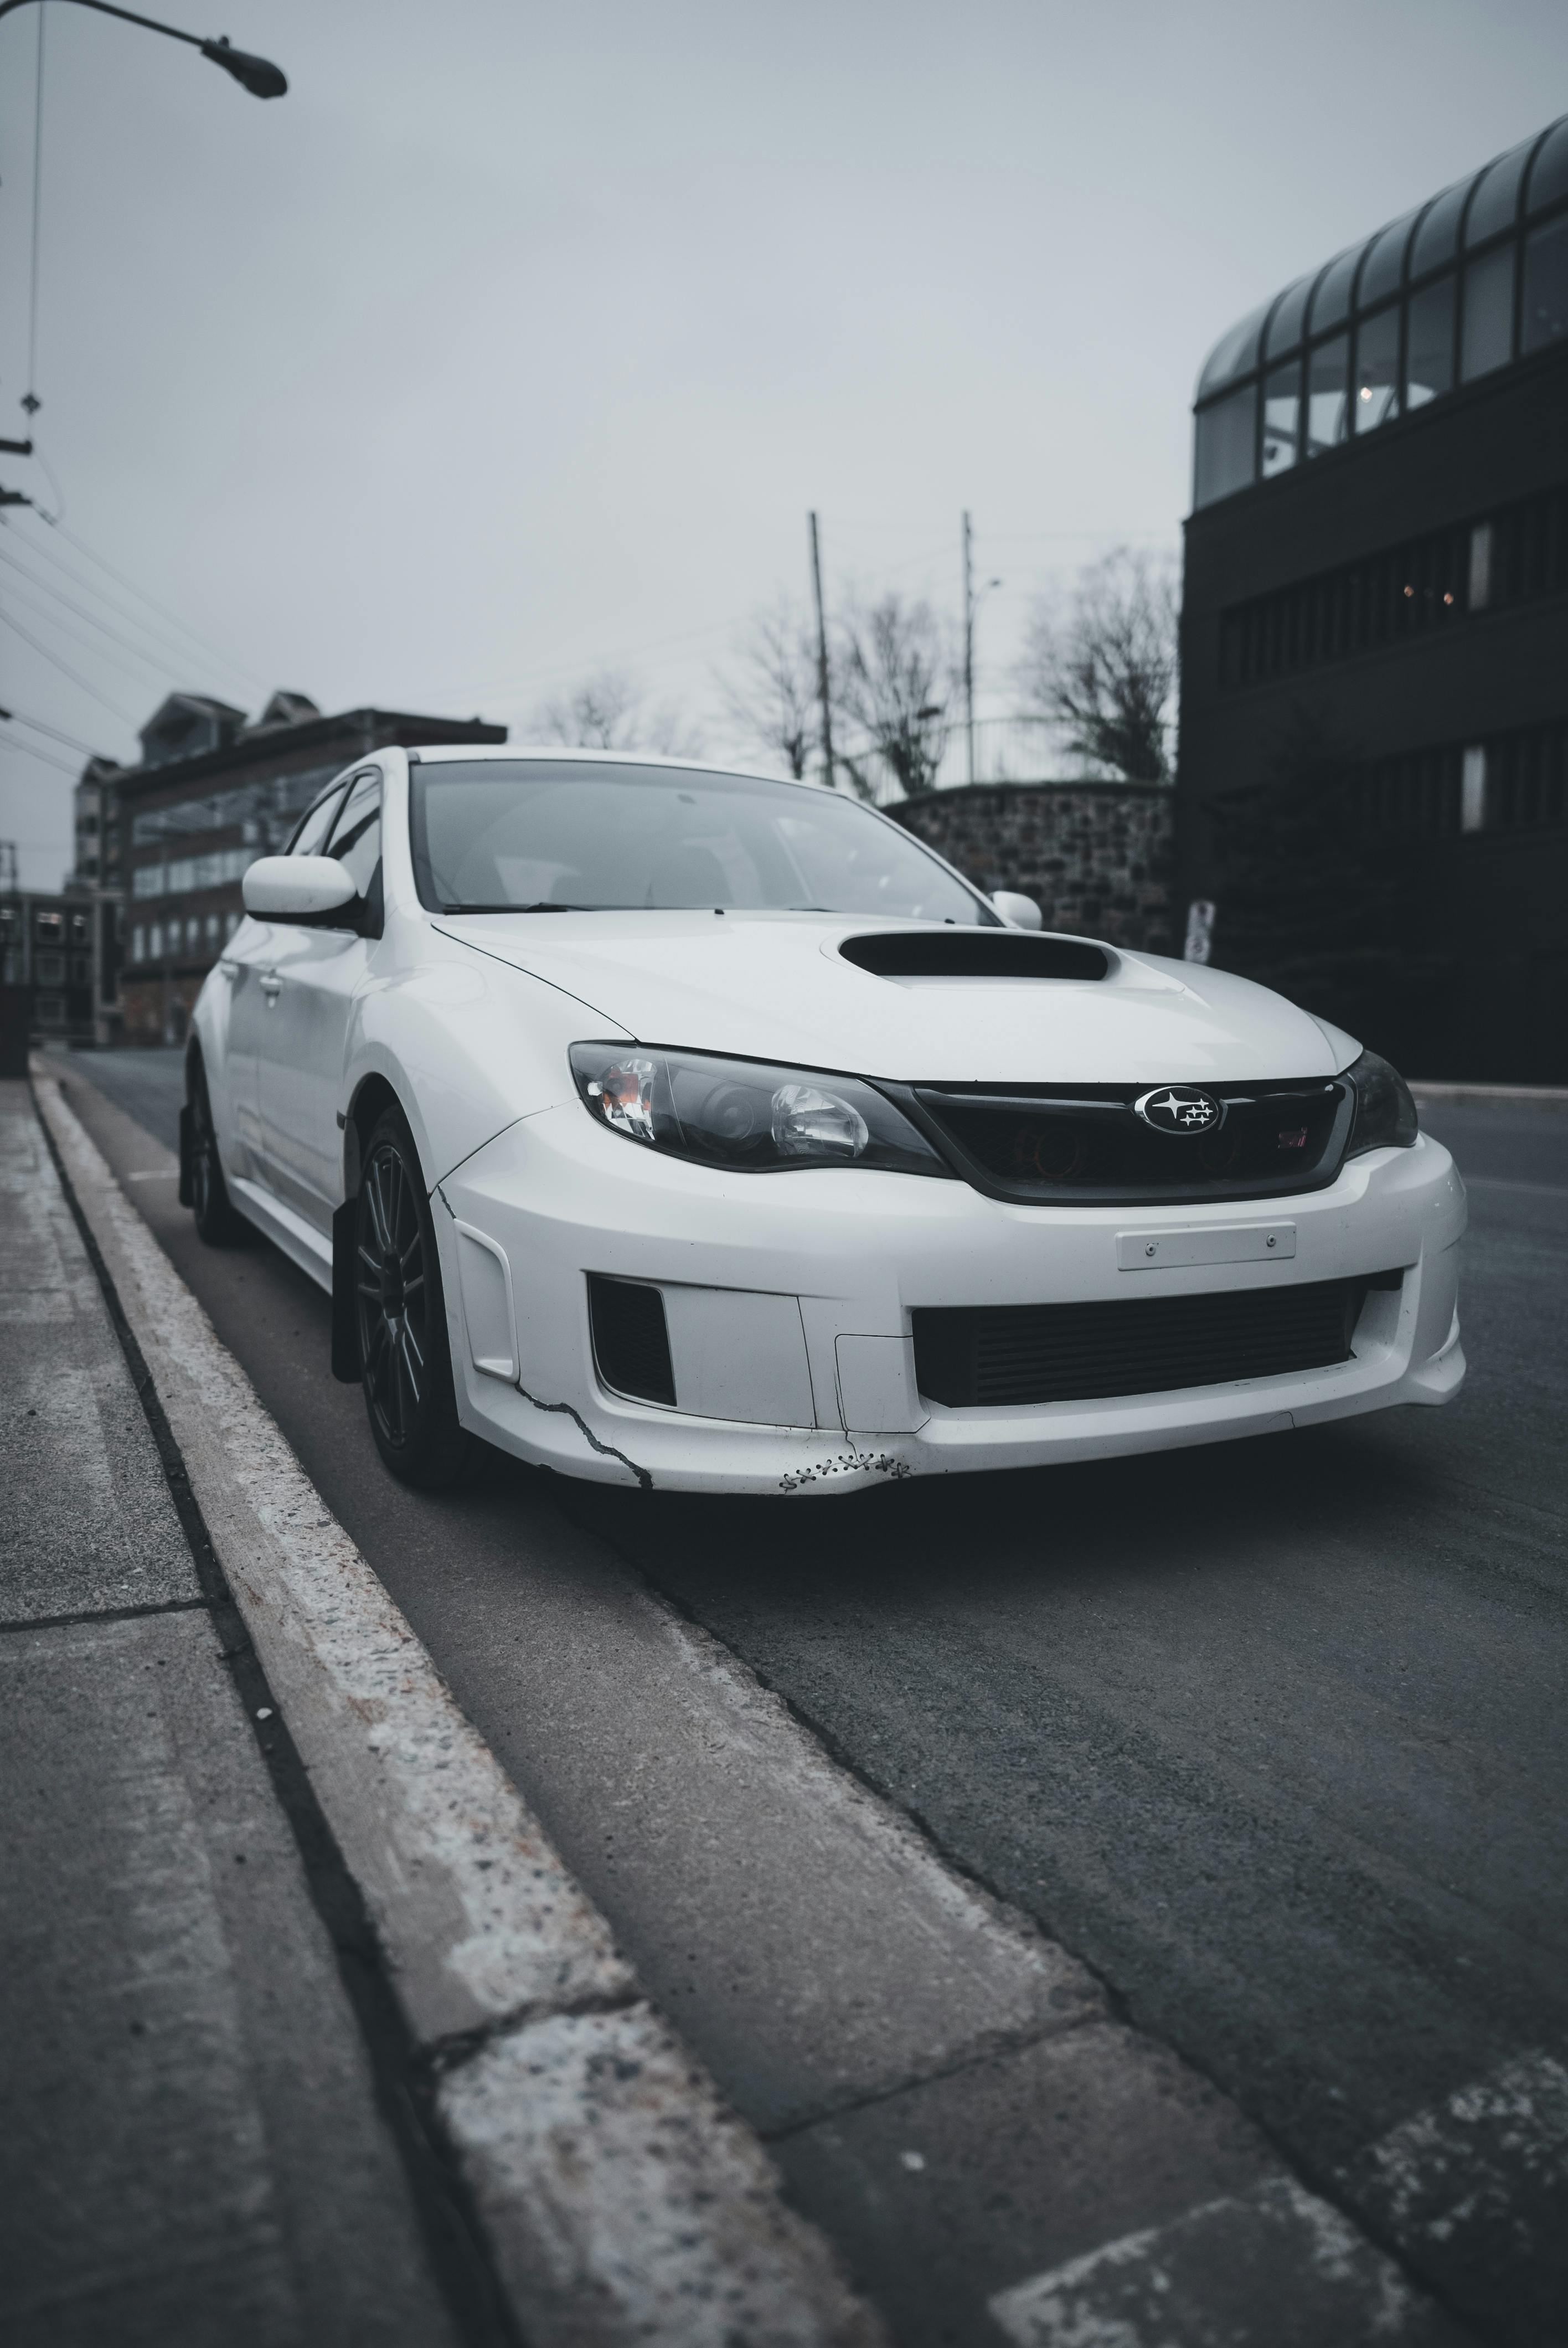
pixel 52 620
pixel 42 756
pixel 90 587
pixel 16 717
pixel 213 651
pixel 159 665
pixel 31 400
pixel 56 662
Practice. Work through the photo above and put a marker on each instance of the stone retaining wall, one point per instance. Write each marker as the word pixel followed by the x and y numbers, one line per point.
pixel 1096 857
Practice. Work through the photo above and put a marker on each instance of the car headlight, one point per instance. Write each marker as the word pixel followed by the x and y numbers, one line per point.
pixel 743 1115
pixel 1385 1113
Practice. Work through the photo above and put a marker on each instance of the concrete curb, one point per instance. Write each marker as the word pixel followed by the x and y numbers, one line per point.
pixel 623 2201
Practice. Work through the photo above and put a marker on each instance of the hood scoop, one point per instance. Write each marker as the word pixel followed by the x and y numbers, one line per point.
pixel 974 954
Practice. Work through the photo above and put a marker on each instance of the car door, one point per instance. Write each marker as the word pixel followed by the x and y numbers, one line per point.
pixel 316 974
pixel 247 969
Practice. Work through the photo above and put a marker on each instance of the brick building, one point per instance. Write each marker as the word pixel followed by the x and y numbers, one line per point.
pixel 212 792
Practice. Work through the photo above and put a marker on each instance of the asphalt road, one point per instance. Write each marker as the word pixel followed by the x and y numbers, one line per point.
pixel 1271 1734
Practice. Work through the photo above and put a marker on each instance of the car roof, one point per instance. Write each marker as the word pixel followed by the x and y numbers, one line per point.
pixel 571 754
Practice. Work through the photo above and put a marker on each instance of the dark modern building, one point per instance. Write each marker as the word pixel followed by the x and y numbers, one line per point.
pixel 212 793
pixel 1379 549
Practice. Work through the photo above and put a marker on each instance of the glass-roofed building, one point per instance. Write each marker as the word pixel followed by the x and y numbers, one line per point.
pixel 1378 544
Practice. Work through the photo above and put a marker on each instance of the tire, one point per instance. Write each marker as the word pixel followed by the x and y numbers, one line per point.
pixel 405 1358
pixel 219 1223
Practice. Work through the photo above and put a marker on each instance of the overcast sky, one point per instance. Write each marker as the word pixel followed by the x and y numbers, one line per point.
pixel 515 342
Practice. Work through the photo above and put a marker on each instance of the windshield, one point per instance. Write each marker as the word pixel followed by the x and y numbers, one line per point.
pixel 492 836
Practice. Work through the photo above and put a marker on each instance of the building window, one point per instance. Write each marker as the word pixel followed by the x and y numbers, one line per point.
pixel 1545 318
pixel 49 969
pixel 155 941
pixel 51 1010
pixel 138 944
pixel 1430 365
pixel 49 928
pixel 1472 788
pixel 231 923
pixel 1487 341
pixel 211 932
pixel 1281 419
pixel 1225 449
pixel 1328 369
pixel 1377 370
pixel 1515 556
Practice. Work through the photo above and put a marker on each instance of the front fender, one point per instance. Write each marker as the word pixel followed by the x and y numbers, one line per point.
pixel 469 1045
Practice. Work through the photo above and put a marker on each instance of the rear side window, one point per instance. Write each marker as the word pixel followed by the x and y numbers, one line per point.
pixel 316 823
pixel 355 839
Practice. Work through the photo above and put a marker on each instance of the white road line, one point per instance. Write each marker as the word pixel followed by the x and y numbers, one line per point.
pixel 624 2202
pixel 1196 2284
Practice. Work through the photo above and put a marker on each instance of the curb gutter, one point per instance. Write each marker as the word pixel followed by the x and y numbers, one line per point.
pixel 622 2200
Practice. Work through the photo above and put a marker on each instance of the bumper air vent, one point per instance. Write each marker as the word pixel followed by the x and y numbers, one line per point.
pixel 974 954
pixel 991 1355
pixel 630 1343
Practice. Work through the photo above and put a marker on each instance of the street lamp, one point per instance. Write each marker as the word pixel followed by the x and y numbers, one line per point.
pixel 258 75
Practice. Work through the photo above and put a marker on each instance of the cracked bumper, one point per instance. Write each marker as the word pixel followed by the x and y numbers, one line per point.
pixel 788 1301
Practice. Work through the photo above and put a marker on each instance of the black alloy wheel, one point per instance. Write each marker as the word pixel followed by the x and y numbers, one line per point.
pixel 218 1224
pixel 404 1358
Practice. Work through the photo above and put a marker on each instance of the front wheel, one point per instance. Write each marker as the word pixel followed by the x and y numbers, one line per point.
pixel 406 1359
pixel 218 1222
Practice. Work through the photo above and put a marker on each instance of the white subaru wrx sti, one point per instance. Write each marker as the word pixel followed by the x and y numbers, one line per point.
pixel 663 1124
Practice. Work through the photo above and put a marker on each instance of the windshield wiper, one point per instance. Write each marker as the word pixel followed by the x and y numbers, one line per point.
pixel 544 905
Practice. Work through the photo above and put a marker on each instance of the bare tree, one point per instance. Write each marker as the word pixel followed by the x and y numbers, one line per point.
pixel 772 697
pixel 608 711
pixel 1105 666
pixel 895 672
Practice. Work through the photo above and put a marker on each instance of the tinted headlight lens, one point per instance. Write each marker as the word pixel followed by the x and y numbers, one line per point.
pixel 1385 1113
pixel 737 1113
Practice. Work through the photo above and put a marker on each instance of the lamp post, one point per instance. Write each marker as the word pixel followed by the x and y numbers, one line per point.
pixel 258 75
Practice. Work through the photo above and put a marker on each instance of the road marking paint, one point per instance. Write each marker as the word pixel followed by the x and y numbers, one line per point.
pixel 1275 2263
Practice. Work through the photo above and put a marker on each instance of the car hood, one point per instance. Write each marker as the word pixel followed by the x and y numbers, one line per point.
pixel 774 986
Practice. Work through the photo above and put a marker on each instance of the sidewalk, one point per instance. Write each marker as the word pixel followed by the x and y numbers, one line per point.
pixel 192 2151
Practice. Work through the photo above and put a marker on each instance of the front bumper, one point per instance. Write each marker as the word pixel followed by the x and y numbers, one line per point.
pixel 788 1300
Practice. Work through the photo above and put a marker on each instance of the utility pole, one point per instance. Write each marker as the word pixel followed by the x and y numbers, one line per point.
pixel 969 648
pixel 823 694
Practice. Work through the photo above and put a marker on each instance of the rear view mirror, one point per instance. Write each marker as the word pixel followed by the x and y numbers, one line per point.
pixel 1018 911
pixel 297 888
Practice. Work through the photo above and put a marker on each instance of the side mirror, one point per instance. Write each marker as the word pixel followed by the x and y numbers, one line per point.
pixel 297 888
pixel 1018 911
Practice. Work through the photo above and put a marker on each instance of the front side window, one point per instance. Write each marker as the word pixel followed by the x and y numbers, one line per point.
pixel 1377 391
pixel 315 824
pixel 1327 372
pixel 356 840
pixel 496 835
pixel 1429 360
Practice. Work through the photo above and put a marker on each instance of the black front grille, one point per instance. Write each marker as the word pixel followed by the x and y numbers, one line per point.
pixel 630 1343
pixel 1088 1146
pixel 968 1357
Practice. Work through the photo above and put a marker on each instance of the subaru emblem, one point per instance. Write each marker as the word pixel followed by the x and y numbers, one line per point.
pixel 1179 1108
